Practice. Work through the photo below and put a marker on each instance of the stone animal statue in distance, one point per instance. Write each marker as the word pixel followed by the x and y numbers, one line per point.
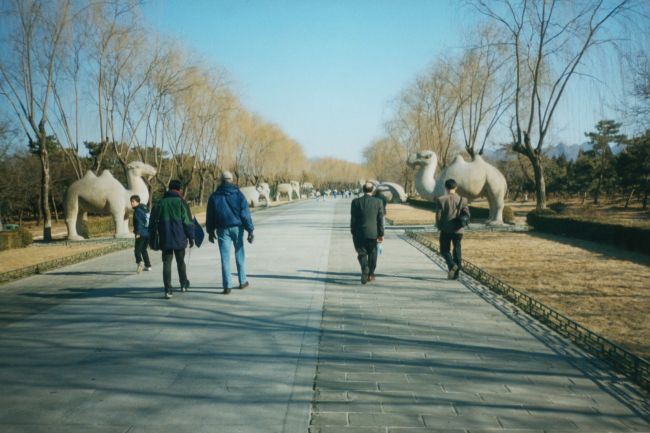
pixel 287 189
pixel 104 194
pixel 253 194
pixel 475 178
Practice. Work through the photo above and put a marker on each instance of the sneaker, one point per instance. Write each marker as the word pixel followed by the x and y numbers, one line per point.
pixel 452 272
pixel 457 273
pixel 185 286
pixel 147 268
pixel 226 291
pixel 168 295
pixel 243 286
pixel 139 268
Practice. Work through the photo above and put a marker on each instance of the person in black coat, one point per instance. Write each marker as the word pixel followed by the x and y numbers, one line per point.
pixel 367 227
pixel 141 230
pixel 172 221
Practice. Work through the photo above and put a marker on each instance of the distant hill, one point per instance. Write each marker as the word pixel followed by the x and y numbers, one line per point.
pixel 570 151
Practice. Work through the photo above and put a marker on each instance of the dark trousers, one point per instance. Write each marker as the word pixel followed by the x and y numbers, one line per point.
pixel 140 251
pixel 446 239
pixel 167 256
pixel 366 253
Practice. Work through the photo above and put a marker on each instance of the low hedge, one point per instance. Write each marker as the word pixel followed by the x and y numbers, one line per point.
pixel 99 226
pixel 19 238
pixel 628 237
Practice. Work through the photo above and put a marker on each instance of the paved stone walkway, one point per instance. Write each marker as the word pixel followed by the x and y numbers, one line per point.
pixel 94 348
pixel 414 352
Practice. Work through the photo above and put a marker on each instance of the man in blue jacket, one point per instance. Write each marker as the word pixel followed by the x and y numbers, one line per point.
pixel 228 214
pixel 141 230
pixel 171 218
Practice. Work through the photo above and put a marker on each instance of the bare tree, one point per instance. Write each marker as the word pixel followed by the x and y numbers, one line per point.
pixel 35 42
pixel 484 90
pixel 548 42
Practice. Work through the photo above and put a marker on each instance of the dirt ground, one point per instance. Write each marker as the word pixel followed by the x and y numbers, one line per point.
pixel 22 257
pixel 603 288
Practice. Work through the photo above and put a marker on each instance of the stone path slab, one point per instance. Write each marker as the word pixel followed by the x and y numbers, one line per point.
pixel 94 347
pixel 415 352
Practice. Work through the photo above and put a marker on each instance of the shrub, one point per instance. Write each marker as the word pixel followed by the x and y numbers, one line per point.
pixel 627 237
pixel 96 226
pixel 26 237
pixel 508 215
pixel 558 207
pixel 19 238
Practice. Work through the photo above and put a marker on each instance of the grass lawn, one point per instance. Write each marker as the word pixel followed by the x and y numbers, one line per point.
pixel 603 288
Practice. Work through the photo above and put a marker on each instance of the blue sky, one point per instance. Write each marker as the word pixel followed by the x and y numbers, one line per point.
pixel 326 71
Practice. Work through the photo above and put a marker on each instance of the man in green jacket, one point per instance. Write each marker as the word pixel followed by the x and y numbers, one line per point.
pixel 367 227
pixel 171 218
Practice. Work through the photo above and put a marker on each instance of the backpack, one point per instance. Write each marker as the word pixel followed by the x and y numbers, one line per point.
pixel 462 220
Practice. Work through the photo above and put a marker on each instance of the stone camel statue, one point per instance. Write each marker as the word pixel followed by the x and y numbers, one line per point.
pixel 475 178
pixel 254 193
pixel 104 194
pixel 287 189
pixel 392 192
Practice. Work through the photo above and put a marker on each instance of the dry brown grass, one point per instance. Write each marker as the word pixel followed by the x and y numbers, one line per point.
pixel 11 260
pixel 401 215
pixel 603 288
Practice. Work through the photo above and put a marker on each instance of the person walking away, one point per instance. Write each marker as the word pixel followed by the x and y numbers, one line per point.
pixel 228 215
pixel 141 231
pixel 450 207
pixel 170 217
pixel 367 227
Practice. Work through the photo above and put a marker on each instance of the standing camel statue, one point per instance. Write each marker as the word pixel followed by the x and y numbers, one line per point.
pixel 475 178
pixel 287 189
pixel 254 193
pixel 104 194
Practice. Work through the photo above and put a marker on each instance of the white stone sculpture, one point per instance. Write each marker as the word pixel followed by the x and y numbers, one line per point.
pixel 253 194
pixel 265 192
pixel 392 192
pixel 296 187
pixel 287 189
pixel 104 194
pixel 475 179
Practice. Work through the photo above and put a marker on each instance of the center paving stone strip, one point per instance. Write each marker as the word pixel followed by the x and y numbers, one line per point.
pixel 94 347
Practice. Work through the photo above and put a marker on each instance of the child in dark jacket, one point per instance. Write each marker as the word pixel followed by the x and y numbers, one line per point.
pixel 141 230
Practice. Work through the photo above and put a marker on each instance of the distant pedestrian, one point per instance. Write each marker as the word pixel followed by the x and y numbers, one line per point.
pixel 450 208
pixel 171 218
pixel 141 230
pixel 229 216
pixel 367 227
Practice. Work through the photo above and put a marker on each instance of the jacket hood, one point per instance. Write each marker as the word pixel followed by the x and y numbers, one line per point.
pixel 226 189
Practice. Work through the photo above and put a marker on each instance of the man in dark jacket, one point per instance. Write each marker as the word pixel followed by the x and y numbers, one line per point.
pixel 170 216
pixel 367 227
pixel 228 215
pixel 450 207
pixel 141 230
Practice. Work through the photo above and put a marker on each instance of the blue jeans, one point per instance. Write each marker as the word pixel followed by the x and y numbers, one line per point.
pixel 227 238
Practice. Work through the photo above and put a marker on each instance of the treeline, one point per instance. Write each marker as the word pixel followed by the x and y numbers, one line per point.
pixel 87 86
pixel 596 173
pixel 506 84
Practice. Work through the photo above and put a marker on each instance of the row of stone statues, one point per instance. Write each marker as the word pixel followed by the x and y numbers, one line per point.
pixel 104 194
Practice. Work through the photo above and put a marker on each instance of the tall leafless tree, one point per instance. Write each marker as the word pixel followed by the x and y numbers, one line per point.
pixel 548 41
